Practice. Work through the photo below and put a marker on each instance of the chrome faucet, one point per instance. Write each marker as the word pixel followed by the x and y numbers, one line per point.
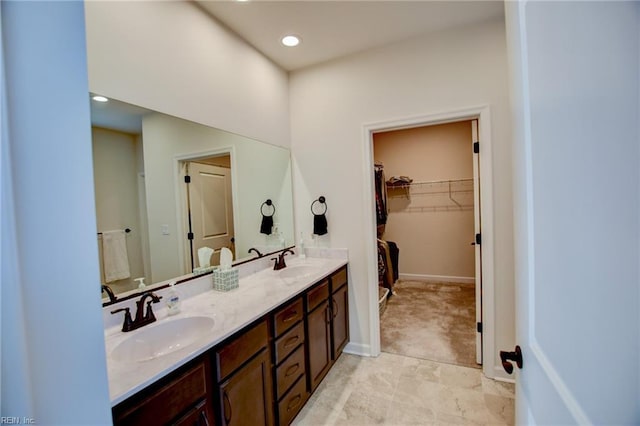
pixel 112 296
pixel 279 261
pixel 141 318
pixel 256 250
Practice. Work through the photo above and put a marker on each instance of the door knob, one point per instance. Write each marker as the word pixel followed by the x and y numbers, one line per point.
pixel 506 357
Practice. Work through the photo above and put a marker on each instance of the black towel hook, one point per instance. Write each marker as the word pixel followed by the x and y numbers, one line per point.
pixel 268 203
pixel 320 200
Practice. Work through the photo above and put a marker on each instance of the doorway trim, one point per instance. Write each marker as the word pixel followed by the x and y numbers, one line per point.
pixel 181 194
pixel 482 113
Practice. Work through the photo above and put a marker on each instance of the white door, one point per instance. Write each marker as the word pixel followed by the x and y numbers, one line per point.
pixel 210 209
pixel 478 247
pixel 575 91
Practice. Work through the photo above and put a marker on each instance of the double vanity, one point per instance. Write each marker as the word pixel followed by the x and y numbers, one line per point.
pixel 250 356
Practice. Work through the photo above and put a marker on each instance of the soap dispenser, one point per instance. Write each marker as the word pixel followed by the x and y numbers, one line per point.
pixel 173 300
pixel 301 252
pixel 141 284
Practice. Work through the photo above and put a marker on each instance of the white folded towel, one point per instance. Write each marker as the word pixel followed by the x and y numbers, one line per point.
pixel 114 256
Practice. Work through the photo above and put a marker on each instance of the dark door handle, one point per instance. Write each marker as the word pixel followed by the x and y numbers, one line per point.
pixel 506 357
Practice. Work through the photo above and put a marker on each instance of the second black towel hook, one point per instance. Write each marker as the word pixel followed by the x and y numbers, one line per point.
pixel 322 201
pixel 268 203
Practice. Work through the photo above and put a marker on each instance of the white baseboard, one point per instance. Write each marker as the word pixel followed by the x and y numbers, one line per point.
pixel 357 349
pixel 502 376
pixel 440 278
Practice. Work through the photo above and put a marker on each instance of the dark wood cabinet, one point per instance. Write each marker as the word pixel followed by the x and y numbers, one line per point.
pixel 339 321
pixel 173 400
pixel 244 391
pixel 319 343
pixel 262 375
pixel 246 397
pixel 289 361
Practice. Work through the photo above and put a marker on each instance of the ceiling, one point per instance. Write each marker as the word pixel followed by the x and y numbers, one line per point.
pixel 333 29
pixel 117 115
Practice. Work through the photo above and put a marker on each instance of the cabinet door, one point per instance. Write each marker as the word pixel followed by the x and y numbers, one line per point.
pixel 164 402
pixel 319 338
pixel 246 397
pixel 340 321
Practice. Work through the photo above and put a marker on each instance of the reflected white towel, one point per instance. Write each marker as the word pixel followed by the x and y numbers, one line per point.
pixel 114 256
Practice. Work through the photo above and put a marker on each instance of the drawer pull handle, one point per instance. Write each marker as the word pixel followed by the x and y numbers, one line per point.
pixel 291 342
pixel 203 417
pixel 293 315
pixel 226 404
pixel 294 402
pixel 292 369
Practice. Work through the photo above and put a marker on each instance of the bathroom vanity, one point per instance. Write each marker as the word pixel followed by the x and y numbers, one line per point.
pixel 254 355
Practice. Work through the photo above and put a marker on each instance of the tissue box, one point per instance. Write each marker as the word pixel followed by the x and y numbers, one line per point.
pixel 225 280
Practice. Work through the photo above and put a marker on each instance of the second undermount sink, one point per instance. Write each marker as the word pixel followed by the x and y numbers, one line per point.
pixel 293 273
pixel 156 340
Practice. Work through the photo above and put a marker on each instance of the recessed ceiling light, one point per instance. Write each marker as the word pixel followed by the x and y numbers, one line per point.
pixel 291 40
pixel 98 98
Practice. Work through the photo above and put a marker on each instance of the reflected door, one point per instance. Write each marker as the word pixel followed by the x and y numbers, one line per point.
pixel 210 210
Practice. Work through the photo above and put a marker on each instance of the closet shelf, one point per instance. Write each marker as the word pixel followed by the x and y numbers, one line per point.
pixel 451 186
pixel 439 195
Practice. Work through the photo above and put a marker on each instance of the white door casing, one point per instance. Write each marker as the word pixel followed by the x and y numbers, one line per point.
pixel 477 230
pixel 575 89
pixel 483 115
pixel 210 208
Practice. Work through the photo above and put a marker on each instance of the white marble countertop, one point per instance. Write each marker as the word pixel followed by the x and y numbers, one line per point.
pixel 256 295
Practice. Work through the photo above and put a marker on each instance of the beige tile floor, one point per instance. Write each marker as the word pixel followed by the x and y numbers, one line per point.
pixel 398 390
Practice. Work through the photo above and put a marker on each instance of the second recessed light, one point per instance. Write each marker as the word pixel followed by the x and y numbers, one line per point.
pixel 291 40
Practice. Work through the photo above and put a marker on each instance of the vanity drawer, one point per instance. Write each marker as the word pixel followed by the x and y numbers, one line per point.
pixel 287 317
pixel 317 295
pixel 338 279
pixel 239 350
pixel 164 404
pixel 292 402
pixel 290 370
pixel 289 341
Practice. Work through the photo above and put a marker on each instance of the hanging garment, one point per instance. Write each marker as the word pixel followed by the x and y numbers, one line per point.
pixel 381 196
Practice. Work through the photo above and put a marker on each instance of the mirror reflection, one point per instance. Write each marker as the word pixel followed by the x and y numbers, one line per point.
pixel 171 193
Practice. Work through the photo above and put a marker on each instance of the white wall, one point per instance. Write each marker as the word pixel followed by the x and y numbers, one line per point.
pixel 53 347
pixel 171 57
pixel 115 171
pixel 259 171
pixel 433 233
pixel 331 103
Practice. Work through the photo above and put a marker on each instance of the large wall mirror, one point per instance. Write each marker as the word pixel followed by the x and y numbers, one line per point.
pixel 156 223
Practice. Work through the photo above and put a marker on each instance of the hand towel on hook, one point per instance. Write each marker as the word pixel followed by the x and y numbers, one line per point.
pixel 267 221
pixel 320 220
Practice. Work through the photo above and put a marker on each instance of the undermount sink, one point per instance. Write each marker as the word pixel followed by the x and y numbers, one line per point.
pixel 292 273
pixel 162 338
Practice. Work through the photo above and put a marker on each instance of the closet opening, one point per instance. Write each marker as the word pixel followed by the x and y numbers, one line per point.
pixel 428 239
